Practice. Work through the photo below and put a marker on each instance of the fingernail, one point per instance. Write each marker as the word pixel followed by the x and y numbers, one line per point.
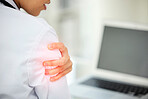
pixel 45 64
pixel 52 79
pixel 50 46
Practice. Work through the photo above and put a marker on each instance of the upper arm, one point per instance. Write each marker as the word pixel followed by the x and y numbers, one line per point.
pixel 36 72
pixel 39 54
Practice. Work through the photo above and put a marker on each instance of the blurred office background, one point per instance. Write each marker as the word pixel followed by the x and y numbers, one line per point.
pixel 78 23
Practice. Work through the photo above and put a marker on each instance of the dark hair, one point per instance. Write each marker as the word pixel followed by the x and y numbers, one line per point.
pixel 6 3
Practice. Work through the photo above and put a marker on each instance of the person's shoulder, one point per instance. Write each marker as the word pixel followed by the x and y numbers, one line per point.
pixel 37 22
pixel 46 25
pixel 49 30
pixel 23 17
pixel 20 16
pixel 27 23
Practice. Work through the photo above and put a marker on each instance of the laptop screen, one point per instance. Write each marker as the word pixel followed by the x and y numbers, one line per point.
pixel 124 50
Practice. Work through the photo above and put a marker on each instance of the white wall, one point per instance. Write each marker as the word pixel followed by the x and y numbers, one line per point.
pixel 143 11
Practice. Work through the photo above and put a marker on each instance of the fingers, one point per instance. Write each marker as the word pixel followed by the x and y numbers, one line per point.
pixel 64 52
pixel 64 63
pixel 57 45
pixel 61 74
pixel 61 47
pixel 58 69
pixel 59 62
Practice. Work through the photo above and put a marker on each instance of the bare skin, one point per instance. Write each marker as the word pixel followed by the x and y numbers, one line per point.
pixel 34 7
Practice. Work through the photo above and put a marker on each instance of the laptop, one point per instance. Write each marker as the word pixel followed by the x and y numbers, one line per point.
pixel 120 65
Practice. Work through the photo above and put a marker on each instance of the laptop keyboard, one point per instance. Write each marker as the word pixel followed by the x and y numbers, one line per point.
pixel 118 87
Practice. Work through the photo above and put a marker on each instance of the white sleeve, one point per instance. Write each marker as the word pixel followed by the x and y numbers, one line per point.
pixel 45 89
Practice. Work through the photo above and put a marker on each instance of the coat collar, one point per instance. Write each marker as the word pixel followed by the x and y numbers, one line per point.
pixel 13 4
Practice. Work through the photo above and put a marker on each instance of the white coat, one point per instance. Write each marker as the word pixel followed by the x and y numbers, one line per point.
pixel 23 48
